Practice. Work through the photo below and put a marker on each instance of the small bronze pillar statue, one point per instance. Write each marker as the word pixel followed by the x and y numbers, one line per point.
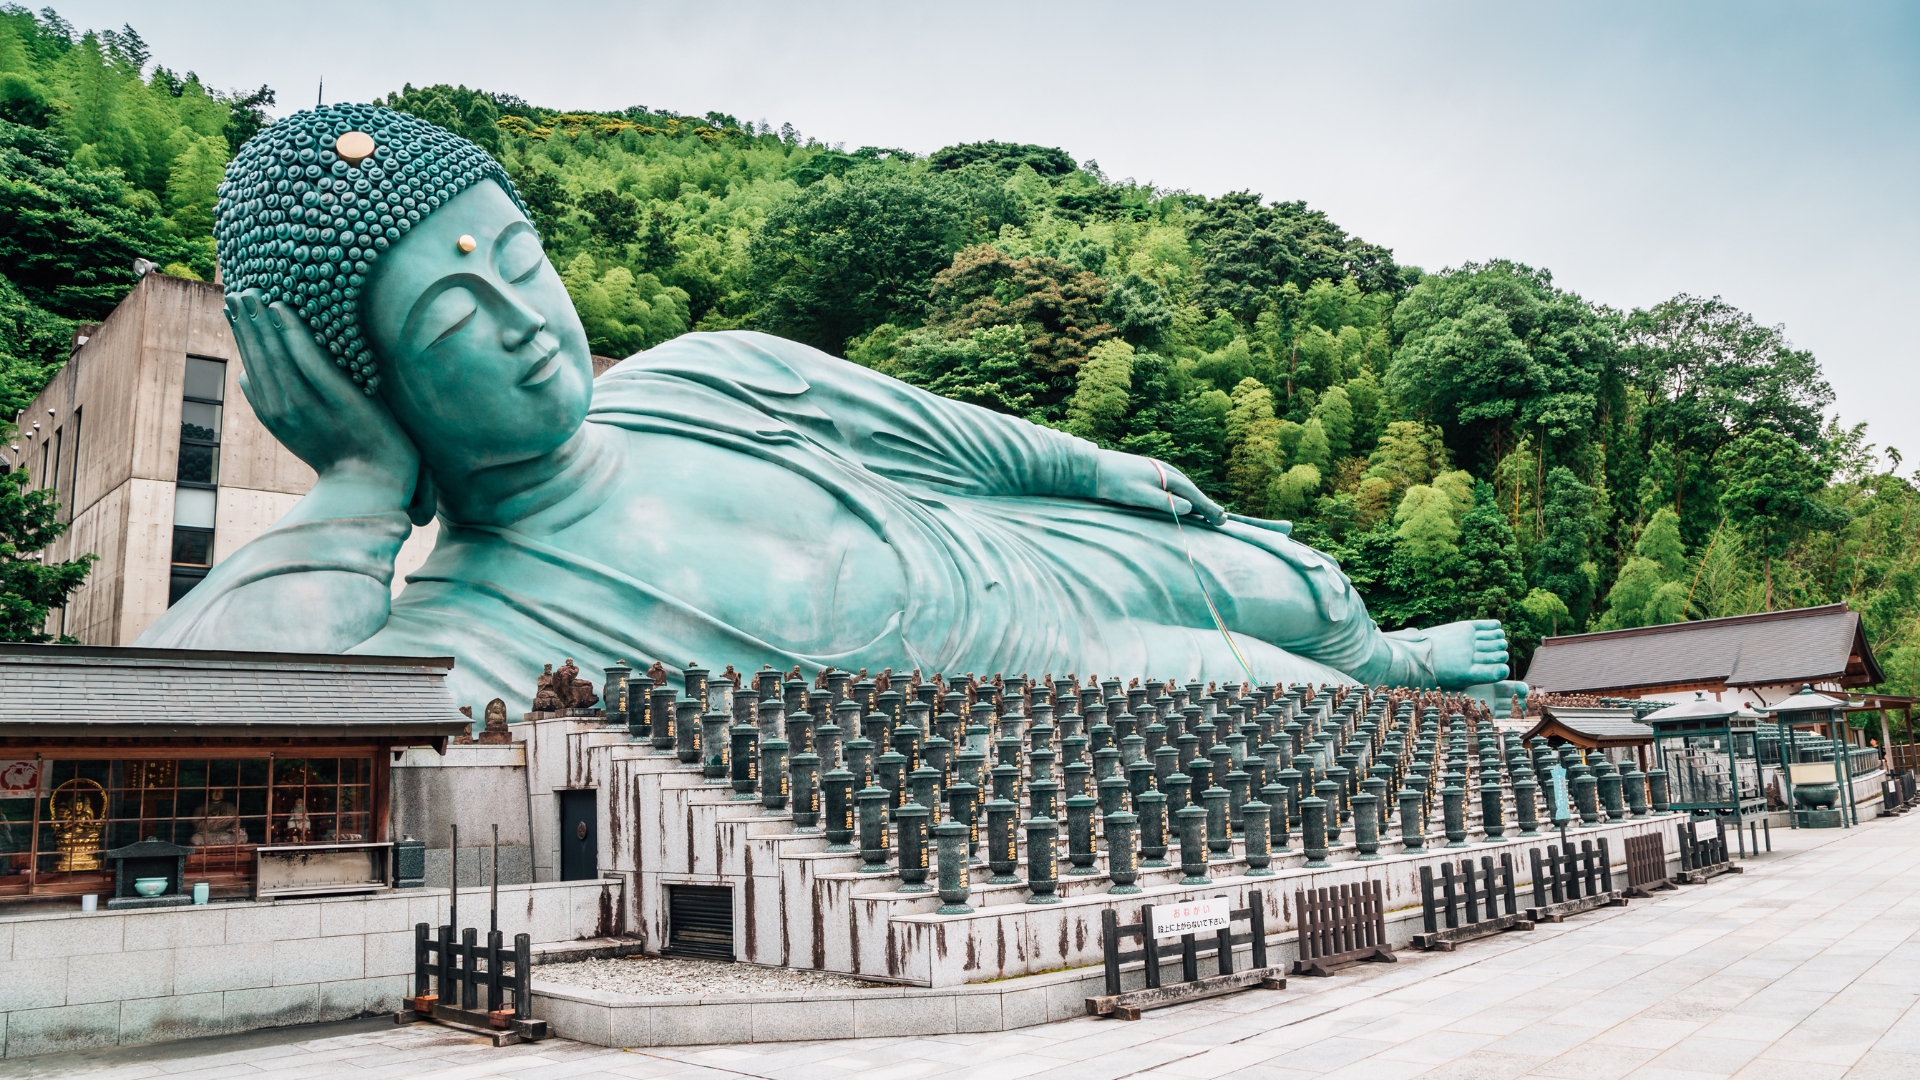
pixel 955 887
pixel 1043 872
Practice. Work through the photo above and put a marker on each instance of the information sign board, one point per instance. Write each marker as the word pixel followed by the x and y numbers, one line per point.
pixel 1191 917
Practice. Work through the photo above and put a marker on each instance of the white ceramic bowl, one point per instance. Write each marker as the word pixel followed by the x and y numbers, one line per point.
pixel 150 886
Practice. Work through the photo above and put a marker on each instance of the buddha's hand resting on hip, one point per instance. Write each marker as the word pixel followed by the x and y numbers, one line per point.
pixel 1132 480
pixel 315 410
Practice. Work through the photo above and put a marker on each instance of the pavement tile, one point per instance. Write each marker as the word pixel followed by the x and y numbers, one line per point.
pixel 1651 1034
pixel 1328 1054
pixel 1436 1048
pixel 1593 1061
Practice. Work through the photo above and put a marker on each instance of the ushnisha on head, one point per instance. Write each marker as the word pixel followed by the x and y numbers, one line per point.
pixel 311 203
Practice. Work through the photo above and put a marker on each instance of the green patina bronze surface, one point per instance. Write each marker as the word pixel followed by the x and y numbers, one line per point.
pixel 722 498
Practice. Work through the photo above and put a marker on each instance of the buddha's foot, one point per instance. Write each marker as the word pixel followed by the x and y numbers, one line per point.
pixel 1468 653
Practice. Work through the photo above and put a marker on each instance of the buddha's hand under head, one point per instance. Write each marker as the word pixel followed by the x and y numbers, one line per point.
pixel 314 409
pixel 1468 653
pixel 1132 480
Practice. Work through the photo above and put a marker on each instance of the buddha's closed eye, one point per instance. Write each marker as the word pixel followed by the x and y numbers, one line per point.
pixel 520 256
pixel 449 312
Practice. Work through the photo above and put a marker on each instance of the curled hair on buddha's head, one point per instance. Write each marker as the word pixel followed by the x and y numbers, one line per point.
pixel 312 202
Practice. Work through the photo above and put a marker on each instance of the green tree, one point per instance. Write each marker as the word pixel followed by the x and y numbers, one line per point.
pixel 622 312
pixel 69 235
pixel 34 343
pixel 1315 448
pixel 1705 373
pixel 1293 491
pixel 1652 586
pixel 1098 410
pixel 852 252
pixel 199 163
pixel 1491 581
pixel 1334 410
pixel 1488 351
pixel 1249 249
pixel 1563 561
pixel 1255 458
pixel 1770 487
pixel 1057 305
pixel 29 586
pixel 1426 531
pixel 988 367
pixel 1006 157
pixel 1547 613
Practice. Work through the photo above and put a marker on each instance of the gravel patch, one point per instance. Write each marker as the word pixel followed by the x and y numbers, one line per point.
pixel 650 976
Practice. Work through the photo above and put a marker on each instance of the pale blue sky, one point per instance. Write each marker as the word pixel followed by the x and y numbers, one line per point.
pixel 1763 152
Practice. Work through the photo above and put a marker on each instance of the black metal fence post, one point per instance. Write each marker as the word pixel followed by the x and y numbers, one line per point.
pixel 422 973
pixel 522 977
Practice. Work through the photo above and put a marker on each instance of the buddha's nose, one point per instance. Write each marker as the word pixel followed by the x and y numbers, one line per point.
pixel 520 325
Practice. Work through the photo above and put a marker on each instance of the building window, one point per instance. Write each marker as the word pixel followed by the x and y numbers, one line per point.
pixel 195 494
pixel 73 471
pixel 56 827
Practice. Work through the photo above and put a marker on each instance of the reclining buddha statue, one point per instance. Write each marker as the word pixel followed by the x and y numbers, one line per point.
pixel 721 497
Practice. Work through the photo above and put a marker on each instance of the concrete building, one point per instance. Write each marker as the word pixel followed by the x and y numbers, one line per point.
pixel 160 465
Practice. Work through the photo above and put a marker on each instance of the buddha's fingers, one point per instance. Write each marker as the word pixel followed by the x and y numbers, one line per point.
pixel 259 379
pixel 323 380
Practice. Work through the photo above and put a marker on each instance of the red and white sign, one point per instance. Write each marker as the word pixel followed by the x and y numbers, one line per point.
pixel 19 777
pixel 1707 829
pixel 1191 917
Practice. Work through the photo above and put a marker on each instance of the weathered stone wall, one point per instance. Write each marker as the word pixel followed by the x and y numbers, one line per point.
pixel 69 981
pixel 474 786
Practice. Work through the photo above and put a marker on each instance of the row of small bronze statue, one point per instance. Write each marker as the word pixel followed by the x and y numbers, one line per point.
pixel 563 690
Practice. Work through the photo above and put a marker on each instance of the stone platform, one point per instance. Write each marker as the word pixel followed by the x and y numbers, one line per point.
pixel 1798 968
pixel 798 906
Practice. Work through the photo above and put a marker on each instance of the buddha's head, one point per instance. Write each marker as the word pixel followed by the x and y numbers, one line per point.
pixel 410 257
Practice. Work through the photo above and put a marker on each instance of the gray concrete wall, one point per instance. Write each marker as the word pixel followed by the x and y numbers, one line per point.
pixel 474 787
pixel 115 473
pixel 70 981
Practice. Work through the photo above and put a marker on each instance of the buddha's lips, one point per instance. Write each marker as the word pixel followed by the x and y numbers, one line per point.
pixel 544 368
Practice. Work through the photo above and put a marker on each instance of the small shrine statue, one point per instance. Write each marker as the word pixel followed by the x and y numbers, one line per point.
pixel 219 822
pixel 299 822
pixel 572 691
pixel 544 697
pixel 496 731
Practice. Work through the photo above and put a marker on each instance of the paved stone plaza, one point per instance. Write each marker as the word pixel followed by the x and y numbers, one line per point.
pixel 1802 968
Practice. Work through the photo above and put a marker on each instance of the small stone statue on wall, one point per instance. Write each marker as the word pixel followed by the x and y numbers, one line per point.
pixel 544 699
pixel 573 691
pixel 557 691
pixel 496 731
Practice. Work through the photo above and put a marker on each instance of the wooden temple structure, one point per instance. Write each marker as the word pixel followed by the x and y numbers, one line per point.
pixel 270 770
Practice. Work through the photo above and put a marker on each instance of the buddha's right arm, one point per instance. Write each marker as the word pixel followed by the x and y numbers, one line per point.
pixel 319 580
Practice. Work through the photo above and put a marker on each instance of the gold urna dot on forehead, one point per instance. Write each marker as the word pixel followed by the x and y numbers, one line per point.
pixel 466 244
pixel 353 147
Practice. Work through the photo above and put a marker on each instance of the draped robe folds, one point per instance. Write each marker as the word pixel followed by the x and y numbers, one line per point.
pixel 1009 563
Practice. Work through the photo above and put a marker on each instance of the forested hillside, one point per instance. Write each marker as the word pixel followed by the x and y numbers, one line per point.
pixel 1475 441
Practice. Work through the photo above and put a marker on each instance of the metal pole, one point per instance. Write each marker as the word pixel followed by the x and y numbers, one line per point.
pixel 1781 734
pixel 493 897
pixel 453 880
pixel 1850 816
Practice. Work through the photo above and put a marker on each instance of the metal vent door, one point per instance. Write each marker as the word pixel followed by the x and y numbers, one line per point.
pixel 579 836
pixel 700 921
